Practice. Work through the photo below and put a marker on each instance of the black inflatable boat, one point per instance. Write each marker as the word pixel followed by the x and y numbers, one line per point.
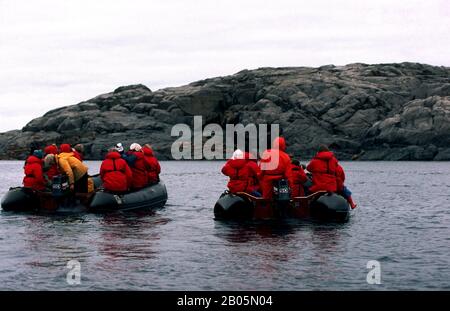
pixel 21 199
pixel 320 205
pixel 151 197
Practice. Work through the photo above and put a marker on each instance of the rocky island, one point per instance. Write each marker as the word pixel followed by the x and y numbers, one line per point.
pixel 395 111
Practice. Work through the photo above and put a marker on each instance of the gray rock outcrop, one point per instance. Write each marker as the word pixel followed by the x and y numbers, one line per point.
pixel 368 112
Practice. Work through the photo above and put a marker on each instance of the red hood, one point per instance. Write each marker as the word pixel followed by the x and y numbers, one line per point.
pixel 147 151
pixel 325 155
pixel 237 163
pixel 65 148
pixel 52 149
pixel 32 159
pixel 113 155
pixel 279 143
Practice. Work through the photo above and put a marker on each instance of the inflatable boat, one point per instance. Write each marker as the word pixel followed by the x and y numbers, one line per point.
pixel 321 205
pixel 151 197
pixel 22 199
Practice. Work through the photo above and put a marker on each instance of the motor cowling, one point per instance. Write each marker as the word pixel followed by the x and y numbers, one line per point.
pixel 281 190
pixel 60 186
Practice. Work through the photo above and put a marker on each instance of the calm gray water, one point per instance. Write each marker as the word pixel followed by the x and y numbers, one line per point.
pixel 402 221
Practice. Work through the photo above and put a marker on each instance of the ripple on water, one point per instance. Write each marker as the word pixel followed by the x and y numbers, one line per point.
pixel 402 221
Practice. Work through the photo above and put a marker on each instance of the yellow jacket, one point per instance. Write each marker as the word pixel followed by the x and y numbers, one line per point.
pixel 71 166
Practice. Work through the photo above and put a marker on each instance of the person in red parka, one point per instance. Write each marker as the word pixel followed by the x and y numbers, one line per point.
pixel 340 178
pixel 275 164
pixel 50 166
pixel 324 167
pixel 34 177
pixel 140 167
pixel 78 151
pixel 298 179
pixel 115 174
pixel 241 174
pixel 154 167
pixel 342 189
pixel 254 179
pixel 328 175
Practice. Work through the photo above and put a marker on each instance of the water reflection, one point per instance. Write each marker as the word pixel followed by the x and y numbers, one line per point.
pixel 129 235
pixel 326 237
pixel 242 232
pixel 182 248
pixel 46 245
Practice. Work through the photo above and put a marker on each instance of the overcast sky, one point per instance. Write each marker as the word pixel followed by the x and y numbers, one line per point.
pixel 56 53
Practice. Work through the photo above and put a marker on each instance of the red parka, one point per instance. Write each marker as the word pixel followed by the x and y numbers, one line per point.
pixel 115 173
pixel 324 168
pixel 242 175
pixel 298 179
pixel 77 155
pixel 340 178
pixel 52 172
pixel 140 170
pixel 275 164
pixel 154 167
pixel 34 177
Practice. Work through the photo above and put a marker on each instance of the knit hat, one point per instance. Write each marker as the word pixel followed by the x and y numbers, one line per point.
pixel 65 148
pixel 79 148
pixel 119 147
pixel 238 154
pixel 38 154
pixel 135 147
pixel 49 160
pixel 51 149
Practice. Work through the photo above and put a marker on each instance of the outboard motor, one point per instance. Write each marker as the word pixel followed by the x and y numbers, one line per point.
pixel 60 186
pixel 282 196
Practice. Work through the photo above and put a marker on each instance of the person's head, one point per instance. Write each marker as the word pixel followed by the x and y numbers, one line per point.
pixel 51 149
pixel 34 146
pixel 135 147
pixel 49 160
pixel 119 147
pixel 147 150
pixel 79 148
pixel 38 153
pixel 148 146
pixel 295 162
pixel 65 148
pixel 112 150
pixel 237 154
pixel 323 148
pixel 279 143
